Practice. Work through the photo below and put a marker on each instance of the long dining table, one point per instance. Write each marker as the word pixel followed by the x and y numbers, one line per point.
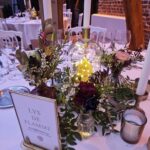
pixel 29 27
pixel 11 137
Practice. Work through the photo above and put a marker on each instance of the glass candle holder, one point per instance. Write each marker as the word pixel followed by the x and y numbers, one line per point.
pixel 85 124
pixel 132 125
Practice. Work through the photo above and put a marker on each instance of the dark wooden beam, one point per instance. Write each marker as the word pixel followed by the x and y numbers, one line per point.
pixel 133 13
pixel 57 14
pixel 60 13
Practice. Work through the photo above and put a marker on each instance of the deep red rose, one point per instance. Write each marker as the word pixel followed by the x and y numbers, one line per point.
pixel 87 92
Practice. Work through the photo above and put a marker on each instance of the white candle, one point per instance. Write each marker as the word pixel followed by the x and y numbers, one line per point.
pixel 142 84
pixel 133 118
pixel 25 3
pixel 87 13
pixel 29 4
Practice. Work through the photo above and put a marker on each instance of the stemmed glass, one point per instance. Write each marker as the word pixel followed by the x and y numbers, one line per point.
pixel 3 67
pixel 9 51
pixel 106 41
pixel 122 39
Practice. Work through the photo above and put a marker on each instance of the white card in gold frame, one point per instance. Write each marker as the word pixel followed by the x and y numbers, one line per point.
pixel 38 120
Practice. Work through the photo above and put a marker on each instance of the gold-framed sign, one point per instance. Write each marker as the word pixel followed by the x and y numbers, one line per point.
pixel 38 120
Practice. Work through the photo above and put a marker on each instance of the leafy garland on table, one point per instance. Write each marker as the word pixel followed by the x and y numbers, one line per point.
pixel 98 94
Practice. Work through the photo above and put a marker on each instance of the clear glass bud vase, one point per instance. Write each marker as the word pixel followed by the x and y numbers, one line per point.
pixel 85 124
pixel 86 48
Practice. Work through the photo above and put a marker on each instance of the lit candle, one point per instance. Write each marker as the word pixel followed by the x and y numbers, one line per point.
pixel 87 12
pixel 142 84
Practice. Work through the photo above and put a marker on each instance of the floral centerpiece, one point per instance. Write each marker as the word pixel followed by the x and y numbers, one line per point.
pixel 82 92
pixel 103 99
pixel 115 62
pixel 40 66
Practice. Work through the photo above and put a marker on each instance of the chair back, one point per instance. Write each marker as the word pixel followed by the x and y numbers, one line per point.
pixel 94 32
pixel 11 39
pixel 3 25
pixel 75 30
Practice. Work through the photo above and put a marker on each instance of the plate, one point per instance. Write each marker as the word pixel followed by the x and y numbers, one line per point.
pixel 5 98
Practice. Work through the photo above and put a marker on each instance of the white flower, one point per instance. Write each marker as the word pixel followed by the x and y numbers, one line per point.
pixel 72 91
pixel 100 108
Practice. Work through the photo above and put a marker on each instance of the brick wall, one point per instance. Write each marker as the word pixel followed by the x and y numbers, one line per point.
pixel 115 7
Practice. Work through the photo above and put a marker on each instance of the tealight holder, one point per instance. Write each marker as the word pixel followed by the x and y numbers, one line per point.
pixel 133 123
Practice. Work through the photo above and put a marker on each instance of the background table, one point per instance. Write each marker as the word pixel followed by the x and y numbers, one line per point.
pixel 29 28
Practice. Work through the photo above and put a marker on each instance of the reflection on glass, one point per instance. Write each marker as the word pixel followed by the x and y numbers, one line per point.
pixel 122 39
pixel 86 124
pixel 132 126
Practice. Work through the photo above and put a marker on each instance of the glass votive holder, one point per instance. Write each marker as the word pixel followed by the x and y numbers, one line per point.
pixel 85 124
pixel 133 122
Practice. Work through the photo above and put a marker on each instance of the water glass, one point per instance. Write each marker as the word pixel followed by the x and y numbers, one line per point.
pixel 122 39
pixel 4 67
pixel 132 125
pixel 108 41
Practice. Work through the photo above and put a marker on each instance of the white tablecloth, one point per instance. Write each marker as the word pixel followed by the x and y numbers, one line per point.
pixel 11 137
pixel 29 28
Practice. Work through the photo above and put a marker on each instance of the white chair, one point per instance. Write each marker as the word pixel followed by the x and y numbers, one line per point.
pixel 11 39
pixel 76 30
pixel 64 7
pixel 3 25
pixel 96 31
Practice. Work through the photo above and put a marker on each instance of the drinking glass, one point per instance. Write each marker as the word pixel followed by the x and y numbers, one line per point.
pixel 3 67
pixel 108 41
pixel 122 39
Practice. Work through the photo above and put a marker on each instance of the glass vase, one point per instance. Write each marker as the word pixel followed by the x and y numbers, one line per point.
pixel 115 79
pixel 86 48
pixel 45 91
pixel 85 124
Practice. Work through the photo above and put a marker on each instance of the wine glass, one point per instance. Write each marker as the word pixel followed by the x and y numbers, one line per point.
pixel 122 39
pixel 9 51
pixel 108 41
pixel 3 67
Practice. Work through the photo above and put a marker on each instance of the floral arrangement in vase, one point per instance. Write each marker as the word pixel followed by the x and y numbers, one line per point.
pixel 41 65
pixel 104 100
pixel 82 92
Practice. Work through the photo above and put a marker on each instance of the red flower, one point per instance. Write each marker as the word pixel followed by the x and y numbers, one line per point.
pixel 86 96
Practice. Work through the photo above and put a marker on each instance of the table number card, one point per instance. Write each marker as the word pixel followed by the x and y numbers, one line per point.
pixel 38 121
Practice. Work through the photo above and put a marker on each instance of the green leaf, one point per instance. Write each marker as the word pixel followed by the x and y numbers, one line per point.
pixel 74 128
pixel 71 142
pixel 73 121
pixel 70 148
pixel 77 135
